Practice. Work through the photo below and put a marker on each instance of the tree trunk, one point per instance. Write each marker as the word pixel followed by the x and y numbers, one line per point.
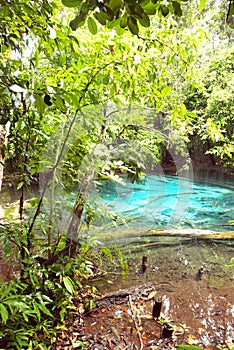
pixel 4 132
pixel 78 209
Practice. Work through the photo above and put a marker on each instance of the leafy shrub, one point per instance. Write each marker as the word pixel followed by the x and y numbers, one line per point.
pixel 33 307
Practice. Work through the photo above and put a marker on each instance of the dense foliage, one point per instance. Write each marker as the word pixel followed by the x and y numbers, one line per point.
pixel 84 107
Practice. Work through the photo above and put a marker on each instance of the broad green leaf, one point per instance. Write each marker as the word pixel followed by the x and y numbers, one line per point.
pixel 101 17
pixel 120 31
pixel 231 263
pixel 109 13
pixel 29 10
pixel 40 104
pixel 177 8
pixel 115 5
pixel 150 9
pixel 34 202
pixel 231 9
pixel 166 91
pixel 5 11
pixel 144 21
pixel 202 5
pixel 59 102
pixel 37 311
pixel 92 25
pixel 77 21
pixel 69 285
pixel 107 252
pixel 71 3
pixel 3 313
pixel 132 25
pixel 44 309
pixel 20 185
pixel 124 21
pixel 138 11
pixel 164 10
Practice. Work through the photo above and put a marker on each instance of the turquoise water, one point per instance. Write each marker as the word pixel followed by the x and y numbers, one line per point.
pixel 169 202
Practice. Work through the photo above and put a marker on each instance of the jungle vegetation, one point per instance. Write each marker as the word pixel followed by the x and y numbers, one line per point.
pixel 91 90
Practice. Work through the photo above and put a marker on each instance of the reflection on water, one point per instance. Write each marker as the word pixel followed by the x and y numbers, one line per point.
pixel 170 202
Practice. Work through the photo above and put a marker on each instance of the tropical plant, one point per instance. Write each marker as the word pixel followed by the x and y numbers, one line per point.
pixel 83 108
pixel 128 14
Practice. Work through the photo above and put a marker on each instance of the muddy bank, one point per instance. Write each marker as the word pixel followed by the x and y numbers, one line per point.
pixel 198 303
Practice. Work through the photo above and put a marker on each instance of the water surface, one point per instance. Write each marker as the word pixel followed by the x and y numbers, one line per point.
pixel 169 202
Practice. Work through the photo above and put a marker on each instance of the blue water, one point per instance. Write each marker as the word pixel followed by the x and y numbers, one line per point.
pixel 169 202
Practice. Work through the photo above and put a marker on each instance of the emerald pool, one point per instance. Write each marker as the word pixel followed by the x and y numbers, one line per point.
pixel 168 202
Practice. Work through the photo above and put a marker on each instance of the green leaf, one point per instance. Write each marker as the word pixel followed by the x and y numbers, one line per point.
pixel 145 21
pixel 231 263
pixel 109 13
pixel 44 309
pixel 20 185
pixel 92 25
pixel 166 91
pixel 34 202
pixel 107 252
pixel 202 5
pixel 164 10
pixel 5 11
pixel 78 21
pixel 71 3
pixel 150 9
pixel 3 313
pixel 101 17
pixel 40 104
pixel 120 31
pixel 37 311
pixel 231 10
pixel 69 284
pixel 115 5
pixel 59 102
pixel 138 11
pixel 132 25
pixel 124 21
pixel 177 8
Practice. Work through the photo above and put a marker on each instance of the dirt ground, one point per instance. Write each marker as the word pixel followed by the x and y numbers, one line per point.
pixel 191 282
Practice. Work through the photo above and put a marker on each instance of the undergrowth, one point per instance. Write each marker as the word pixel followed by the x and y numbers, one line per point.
pixel 35 305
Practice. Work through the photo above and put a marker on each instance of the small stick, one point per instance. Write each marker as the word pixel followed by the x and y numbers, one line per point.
pixel 144 264
pixel 136 325
pixel 157 308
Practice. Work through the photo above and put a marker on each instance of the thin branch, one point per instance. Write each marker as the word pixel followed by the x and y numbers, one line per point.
pixel 50 175
pixel 163 44
pixel 136 126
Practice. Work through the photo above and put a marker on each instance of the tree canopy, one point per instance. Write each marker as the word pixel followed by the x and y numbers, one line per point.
pixel 129 14
pixel 98 90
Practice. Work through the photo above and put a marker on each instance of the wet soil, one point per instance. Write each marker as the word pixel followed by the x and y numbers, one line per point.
pixel 190 279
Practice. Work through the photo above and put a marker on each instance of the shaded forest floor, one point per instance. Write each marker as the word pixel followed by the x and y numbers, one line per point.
pixel 197 309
